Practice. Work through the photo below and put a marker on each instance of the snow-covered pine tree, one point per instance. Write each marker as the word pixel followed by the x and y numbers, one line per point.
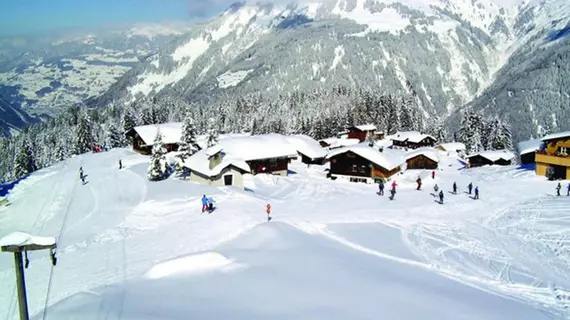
pixel 113 137
pixel 84 137
pixel 472 132
pixel 24 162
pixel 499 135
pixel 158 167
pixel 188 143
pixel 406 116
pixel 128 121
pixel 212 133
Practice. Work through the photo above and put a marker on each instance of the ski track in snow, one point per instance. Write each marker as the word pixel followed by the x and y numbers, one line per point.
pixel 512 242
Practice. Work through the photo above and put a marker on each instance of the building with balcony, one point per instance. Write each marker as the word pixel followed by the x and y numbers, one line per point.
pixel 553 158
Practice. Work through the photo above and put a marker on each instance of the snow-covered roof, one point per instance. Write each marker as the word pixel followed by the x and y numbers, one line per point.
pixel 429 153
pixel 171 132
pixel 411 136
pixel 529 146
pixel 366 127
pixel 453 146
pixel 24 239
pixel 559 135
pixel 213 150
pixel 339 142
pixel 200 162
pixel 258 147
pixel 307 146
pixel 494 155
pixel 387 159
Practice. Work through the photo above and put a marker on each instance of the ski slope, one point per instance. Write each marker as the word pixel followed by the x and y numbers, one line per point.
pixel 134 249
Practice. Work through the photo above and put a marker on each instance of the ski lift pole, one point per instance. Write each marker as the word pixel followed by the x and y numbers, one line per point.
pixel 13 243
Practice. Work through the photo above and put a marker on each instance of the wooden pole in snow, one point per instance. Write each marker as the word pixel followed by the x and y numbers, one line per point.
pixel 17 243
pixel 21 283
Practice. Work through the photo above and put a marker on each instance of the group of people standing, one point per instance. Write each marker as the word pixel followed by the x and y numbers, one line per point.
pixel 559 186
pixel 435 188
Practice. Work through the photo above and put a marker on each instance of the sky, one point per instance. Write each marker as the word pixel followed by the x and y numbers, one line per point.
pixel 18 17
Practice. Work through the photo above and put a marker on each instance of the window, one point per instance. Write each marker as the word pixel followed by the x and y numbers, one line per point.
pixel 354 168
pixel 362 180
pixel 363 169
pixel 563 150
pixel 228 180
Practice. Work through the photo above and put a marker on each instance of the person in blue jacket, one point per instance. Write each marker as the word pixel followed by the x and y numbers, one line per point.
pixel 204 203
pixel 210 205
pixel 476 193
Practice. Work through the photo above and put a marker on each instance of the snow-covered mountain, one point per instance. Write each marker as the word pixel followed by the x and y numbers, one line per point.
pixel 445 51
pixel 42 75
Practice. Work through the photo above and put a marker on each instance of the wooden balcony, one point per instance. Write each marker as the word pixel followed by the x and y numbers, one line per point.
pixel 556 160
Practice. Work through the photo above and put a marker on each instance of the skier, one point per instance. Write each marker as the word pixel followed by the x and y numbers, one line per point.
pixel 470 187
pixel 82 178
pixel 454 188
pixel 476 193
pixel 394 185
pixel 210 205
pixel 558 187
pixel 441 196
pixel 204 203
pixel 120 164
pixel 392 193
pixel 435 188
pixel 568 190
pixel 419 182
pixel 381 187
pixel 433 174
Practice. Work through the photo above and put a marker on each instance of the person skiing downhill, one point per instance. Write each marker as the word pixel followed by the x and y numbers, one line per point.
pixel 381 188
pixel 435 188
pixel 441 196
pixel 433 174
pixel 470 187
pixel 120 164
pixel 204 203
pixel 568 190
pixel 210 202
pixel 454 188
pixel 419 182
pixel 476 193
pixel 394 185
pixel 558 187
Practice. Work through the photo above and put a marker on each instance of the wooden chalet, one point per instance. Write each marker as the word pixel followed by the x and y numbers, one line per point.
pixel 553 157
pixel 412 140
pixel 495 157
pixel 362 163
pixel 268 153
pixel 142 137
pixel 362 132
pixel 424 159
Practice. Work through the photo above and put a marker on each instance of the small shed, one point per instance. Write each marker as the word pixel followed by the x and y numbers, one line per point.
pixel 362 132
pixel 494 157
pixel 527 150
pixel 457 147
pixel 215 168
pixel 423 159
pixel 308 148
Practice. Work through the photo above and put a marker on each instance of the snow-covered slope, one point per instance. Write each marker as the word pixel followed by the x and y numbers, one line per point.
pixel 134 249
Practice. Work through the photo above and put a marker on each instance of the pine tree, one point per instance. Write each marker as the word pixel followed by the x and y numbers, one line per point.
pixel 158 167
pixel 113 137
pixel 190 143
pixel 24 163
pixel 213 136
pixel 84 137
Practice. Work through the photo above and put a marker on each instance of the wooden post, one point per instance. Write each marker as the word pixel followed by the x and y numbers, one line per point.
pixel 21 283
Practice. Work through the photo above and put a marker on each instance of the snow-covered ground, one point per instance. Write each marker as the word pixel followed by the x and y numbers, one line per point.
pixel 134 249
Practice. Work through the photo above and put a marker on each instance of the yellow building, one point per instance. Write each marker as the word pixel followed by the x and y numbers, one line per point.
pixel 553 158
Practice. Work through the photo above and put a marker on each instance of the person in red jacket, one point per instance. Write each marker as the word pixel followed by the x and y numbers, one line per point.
pixel 394 186
pixel 433 174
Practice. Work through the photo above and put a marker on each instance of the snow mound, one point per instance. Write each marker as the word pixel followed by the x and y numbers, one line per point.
pixel 196 263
